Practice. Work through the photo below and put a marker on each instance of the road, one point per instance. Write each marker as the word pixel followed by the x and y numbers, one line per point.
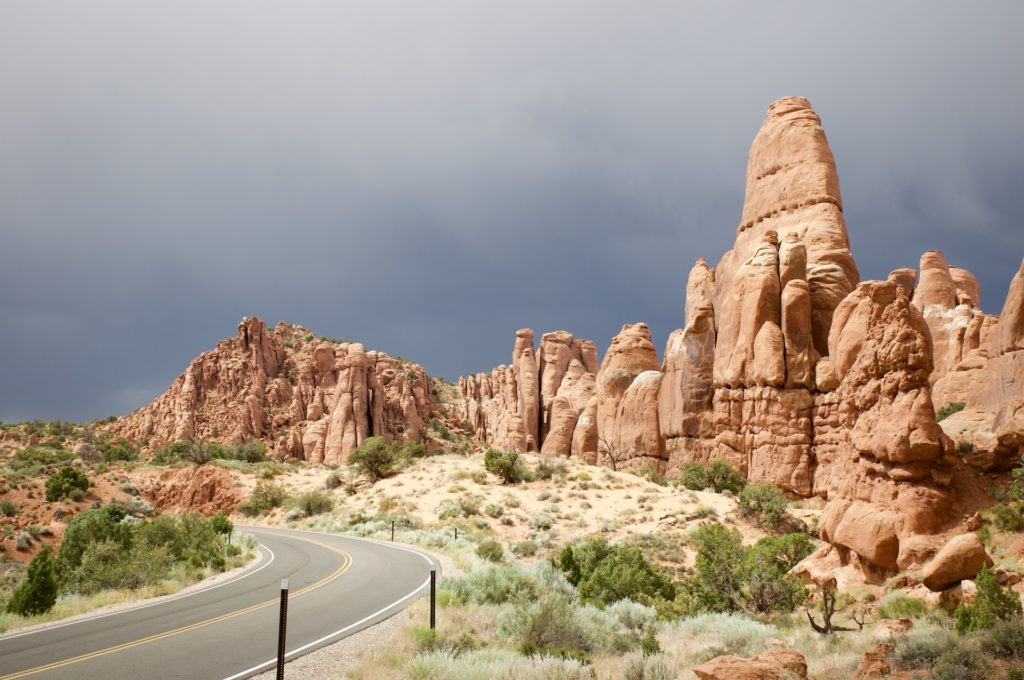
pixel 337 585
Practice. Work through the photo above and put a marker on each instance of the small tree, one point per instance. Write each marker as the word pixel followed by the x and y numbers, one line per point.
pixel 765 503
pixel 38 592
pixel 829 605
pixel 375 458
pixel 992 603
pixel 504 464
pixel 65 482
pixel 221 524
pixel 608 451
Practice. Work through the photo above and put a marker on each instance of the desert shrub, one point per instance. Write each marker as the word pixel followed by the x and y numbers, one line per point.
pixel 264 497
pixel 249 452
pixel 170 453
pixel 1005 639
pixel 37 593
pixel 376 459
pixel 992 603
pixel 949 409
pixel 765 503
pixel 961 663
pixel 333 480
pixel 541 521
pixel 626 574
pixel 524 548
pixel 549 626
pixel 121 449
pixel 9 508
pixel 489 663
pixel 412 450
pixel 494 510
pixel 1008 516
pixel 505 465
pixel 921 649
pixel 39 457
pixel 897 605
pixel 490 550
pixel 716 474
pixel 105 565
pixel 314 502
pixel 965 447
pixel 1016 490
pixel 653 475
pixel 64 482
pixel 494 584
pixel 643 666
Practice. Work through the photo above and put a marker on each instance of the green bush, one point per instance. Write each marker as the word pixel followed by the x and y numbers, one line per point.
pixel 626 574
pixel 1016 490
pixel 490 550
pixel 548 626
pixel 765 503
pixel 221 524
pixel 249 452
pixel 39 457
pixel 767 587
pixel 412 450
pixel 1005 639
pixel 921 649
pixel 992 603
pixel 264 497
pixel 961 663
pixel 121 449
pixel 716 474
pixel 61 485
pixel 333 480
pixel 505 465
pixel 375 459
pixel 1008 516
pixel 38 592
pixel 9 508
pixel 949 409
pixel 314 502
pixel 106 566
pixel 171 453
pixel 897 605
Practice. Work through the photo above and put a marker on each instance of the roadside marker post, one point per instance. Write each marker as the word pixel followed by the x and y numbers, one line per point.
pixel 456 533
pixel 433 598
pixel 392 531
pixel 281 629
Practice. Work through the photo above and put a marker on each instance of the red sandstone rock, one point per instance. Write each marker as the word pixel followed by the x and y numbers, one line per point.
pixel 775 664
pixel 875 662
pixel 204 489
pixel 620 426
pixel 961 558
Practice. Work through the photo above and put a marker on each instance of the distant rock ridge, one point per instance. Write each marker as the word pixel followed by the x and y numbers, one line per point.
pixel 310 399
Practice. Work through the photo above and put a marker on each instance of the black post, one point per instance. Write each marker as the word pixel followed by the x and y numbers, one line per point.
pixel 456 533
pixel 281 629
pixel 392 531
pixel 433 598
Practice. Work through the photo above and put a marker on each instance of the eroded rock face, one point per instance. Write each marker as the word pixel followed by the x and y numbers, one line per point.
pixel 308 399
pixel 895 481
pixel 205 489
pixel 539 402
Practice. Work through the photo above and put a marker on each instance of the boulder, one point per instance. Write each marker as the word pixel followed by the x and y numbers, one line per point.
pixel 935 286
pixel 961 558
pixel 775 664
pixel 875 662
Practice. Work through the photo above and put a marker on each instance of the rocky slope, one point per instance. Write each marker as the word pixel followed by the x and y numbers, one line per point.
pixel 315 400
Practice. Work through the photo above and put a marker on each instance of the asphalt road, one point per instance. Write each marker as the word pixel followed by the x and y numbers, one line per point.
pixel 337 585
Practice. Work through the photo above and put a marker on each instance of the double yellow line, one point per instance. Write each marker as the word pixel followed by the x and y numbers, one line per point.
pixel 346 563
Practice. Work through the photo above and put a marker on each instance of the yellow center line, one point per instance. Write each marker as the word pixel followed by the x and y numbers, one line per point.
pixel 346 563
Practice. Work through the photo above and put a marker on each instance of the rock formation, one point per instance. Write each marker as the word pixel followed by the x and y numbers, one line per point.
pixel 308 399
pixel 537 403
pixel 774 664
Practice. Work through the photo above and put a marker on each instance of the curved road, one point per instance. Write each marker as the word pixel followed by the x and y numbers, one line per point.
pixel 337 586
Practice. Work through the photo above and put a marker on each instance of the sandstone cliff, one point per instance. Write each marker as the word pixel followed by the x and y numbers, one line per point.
pixel 315 400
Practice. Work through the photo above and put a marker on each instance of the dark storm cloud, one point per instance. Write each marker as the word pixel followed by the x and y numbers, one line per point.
pixel 428 177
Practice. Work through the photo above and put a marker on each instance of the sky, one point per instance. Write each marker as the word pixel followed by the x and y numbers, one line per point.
pixel 428 177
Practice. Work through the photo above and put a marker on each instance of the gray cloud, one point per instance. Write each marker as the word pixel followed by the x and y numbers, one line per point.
pixel 428 177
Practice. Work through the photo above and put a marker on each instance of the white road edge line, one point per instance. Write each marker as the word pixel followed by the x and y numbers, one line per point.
pixel 270 662
pixel 156 602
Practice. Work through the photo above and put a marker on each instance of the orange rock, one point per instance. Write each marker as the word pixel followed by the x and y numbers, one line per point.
pixel 961 558
pixel 775 664
pixel 875 662
pixel 205 489
pixel 627 415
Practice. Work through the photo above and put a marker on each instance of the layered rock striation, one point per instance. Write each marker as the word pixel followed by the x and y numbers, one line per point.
pixel 308 399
